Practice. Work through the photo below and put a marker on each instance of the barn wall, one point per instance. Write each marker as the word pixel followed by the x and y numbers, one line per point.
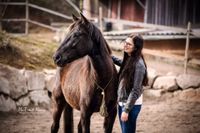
pixel 173 12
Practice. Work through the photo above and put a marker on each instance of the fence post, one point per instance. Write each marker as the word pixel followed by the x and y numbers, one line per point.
pixel 187 47
pixel 0 24
pixel 101 19
pixel 27 18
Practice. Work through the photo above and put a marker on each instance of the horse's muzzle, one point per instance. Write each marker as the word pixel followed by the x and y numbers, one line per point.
pixel 57 59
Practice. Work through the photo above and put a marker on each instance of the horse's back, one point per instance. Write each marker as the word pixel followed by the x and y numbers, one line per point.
pixel 78 80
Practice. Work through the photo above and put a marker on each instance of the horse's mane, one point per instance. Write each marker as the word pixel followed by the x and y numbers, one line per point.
pixel 103 45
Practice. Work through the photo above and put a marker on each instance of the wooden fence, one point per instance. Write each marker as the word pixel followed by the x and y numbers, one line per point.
pixel 27 20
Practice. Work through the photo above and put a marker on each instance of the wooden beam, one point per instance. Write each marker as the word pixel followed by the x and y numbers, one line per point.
pixel 43 25
pixel 119 10
pixel 87 8
pixel 149 37
pixel 101 19
pixel 13 19
pixel 187 47
pixel 73 5
pixel 145 25
pixel 128 31
pixel 12 3
pixel 109 8
pixel 146 11
pixel 27 18
pixel 50 11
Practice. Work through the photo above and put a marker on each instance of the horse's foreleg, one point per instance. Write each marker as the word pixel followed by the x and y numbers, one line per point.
pixel 85 119
pixel 68 119
pixel 58 105
pixel 109 121
pixel 79 127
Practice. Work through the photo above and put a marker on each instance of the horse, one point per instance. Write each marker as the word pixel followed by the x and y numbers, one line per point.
pixel 86 78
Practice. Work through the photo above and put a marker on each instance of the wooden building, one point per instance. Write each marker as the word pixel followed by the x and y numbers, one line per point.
pixel 162 12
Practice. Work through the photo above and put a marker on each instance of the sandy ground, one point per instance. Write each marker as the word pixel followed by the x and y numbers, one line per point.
pixel 163 115
pixel 158 115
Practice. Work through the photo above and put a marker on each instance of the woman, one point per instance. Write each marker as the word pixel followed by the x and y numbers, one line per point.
pixel 132 76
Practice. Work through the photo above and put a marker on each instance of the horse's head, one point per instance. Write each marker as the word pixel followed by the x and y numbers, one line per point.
pixel 78 42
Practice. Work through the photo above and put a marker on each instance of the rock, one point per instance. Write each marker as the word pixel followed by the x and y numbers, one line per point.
pixel 35 80
pixel 186 81
pixel 152 93
pixel 152 75
pixel 177 93
pixel 50 82
pixel 40 98
pixel 17 82
pixel 190 95
pixel 7 104
pixel 4 86
pixel 167 83
pixel 49 71
pixel 24 101
pixel 171 74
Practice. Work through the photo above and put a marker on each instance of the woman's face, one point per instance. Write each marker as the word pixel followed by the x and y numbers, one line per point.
pixel 128 46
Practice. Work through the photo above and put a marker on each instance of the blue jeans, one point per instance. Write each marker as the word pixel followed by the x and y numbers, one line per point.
pixel 130 125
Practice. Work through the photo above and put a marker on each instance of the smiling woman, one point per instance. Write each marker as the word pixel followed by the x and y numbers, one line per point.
pixel 132 76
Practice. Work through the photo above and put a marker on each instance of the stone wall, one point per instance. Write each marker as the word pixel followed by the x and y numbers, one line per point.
pixel 183 86
pixel 25 88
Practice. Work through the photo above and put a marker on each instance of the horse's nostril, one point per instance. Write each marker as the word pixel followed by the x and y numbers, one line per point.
pixel 57 58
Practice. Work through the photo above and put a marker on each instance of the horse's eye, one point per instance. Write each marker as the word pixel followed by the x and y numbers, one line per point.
pixel 73 46
pixel 77 34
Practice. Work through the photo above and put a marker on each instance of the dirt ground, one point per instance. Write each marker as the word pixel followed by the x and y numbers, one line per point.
pixel 158 115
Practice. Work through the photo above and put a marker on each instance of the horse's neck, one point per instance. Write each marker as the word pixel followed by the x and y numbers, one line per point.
pixel 102 66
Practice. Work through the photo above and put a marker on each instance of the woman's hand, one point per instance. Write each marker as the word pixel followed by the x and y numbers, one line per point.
pixel 124 116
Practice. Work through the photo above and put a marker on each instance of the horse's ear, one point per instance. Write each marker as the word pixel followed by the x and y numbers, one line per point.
pixel 84 19
pixel 74 18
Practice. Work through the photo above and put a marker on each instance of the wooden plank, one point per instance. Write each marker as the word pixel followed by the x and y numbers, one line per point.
pixel 149 37
pixel 156 11
pixel 153 26
pixel 43 25
pixel 12 3
pixel 27 18
pixel 119 10
pixel 146 11
pixel 141 4
pixel 145 25
pixel 13 19
pixel 128 31
pixel 50 11
pixel 187 48
pixel 109 8
pixel 101 19
pixel 73 5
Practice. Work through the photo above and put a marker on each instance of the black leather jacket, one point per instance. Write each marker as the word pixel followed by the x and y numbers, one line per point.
pixel 137 89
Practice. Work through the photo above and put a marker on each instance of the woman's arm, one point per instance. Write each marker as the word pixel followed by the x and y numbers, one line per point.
pixel 137 87
pixel 117 61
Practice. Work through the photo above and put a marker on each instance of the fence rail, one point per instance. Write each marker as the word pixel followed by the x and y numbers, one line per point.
pixel 27 19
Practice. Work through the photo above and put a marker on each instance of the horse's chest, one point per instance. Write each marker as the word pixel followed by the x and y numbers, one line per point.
pixel 71 91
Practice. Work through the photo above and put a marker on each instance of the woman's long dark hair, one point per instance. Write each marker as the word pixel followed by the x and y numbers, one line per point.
pixel 127 69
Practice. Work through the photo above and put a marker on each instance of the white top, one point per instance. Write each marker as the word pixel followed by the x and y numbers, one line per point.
pixel 137 102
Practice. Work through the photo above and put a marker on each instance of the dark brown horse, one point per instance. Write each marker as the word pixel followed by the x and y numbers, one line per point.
pixel 85 70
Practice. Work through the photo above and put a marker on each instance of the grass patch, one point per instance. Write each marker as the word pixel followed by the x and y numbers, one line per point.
pixel 26 52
